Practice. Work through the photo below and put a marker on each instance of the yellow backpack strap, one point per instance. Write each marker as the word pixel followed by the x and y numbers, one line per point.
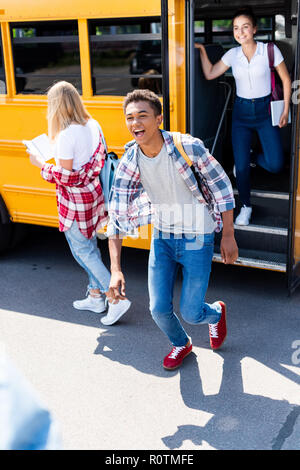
pixel 178 145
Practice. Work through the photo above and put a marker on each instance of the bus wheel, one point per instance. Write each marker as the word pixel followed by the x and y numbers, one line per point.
pixel 11 234
pixel 6 236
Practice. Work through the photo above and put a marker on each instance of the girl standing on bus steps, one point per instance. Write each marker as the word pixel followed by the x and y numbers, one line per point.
pixel 79 151
pixel 251 112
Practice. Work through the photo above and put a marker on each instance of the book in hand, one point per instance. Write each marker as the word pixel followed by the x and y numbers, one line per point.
pixel 40 146
pixel 277 110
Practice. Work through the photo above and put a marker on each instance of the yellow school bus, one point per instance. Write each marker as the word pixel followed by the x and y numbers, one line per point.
pixel 107 49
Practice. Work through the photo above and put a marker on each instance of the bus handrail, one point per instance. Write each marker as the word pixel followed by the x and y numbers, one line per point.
pixel 222 115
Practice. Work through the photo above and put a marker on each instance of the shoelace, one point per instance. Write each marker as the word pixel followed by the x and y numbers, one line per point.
pixel 213 330
pixel 175 351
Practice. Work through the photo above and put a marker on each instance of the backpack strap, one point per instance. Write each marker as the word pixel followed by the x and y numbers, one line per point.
pixel 271 54
pixel 178 145
pixel 200 180
pixel 271 64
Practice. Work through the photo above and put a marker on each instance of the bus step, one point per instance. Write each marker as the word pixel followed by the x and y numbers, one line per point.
pixel 266 194
pixel 262 229
pixel 258 259
pixel 268 210
pixel 259 237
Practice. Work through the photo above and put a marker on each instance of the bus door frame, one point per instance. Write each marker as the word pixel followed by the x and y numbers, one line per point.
pixel 293 270
pixel 190 60
pixel 165 63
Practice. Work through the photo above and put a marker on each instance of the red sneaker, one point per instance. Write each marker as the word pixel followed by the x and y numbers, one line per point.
pixel 176 356
pixel 218 331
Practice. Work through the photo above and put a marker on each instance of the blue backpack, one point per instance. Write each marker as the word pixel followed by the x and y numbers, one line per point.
pixel 107 175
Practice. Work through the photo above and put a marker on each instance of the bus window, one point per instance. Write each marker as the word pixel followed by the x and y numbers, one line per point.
pixel 222 31
pixel 199 29
pixel 2 74
pixel 265 29
pixel 219 31
pixel 125 54
pixel 45 52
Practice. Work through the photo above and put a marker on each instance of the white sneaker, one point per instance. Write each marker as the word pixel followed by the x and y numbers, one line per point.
pixel 115 311
pixel 94 304
pixel 244 216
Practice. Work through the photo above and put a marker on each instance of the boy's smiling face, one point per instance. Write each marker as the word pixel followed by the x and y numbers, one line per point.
pixel 142 122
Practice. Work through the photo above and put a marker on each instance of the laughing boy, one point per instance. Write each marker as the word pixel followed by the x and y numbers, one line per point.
pixel 155 184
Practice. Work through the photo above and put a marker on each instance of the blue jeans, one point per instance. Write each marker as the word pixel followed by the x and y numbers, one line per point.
pixel 88 256
pixel 194 255
pixel 254 115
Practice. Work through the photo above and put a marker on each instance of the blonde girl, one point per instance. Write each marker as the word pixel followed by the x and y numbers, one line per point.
pixel 79 152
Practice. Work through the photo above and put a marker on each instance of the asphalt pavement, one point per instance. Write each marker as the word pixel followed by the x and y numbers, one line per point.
pixel 106 385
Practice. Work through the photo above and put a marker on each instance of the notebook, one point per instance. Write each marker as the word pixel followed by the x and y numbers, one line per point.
pixel 40 146
pixel 276 111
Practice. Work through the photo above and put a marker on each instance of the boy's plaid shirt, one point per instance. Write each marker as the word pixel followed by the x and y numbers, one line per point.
pixel 129 205
pixel 79 194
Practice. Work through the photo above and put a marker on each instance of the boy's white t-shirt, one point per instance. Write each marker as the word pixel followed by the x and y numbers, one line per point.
pixel 78 142
pixel 176 209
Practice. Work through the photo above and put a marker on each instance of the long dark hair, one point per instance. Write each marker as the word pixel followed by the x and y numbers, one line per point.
pixel 248 12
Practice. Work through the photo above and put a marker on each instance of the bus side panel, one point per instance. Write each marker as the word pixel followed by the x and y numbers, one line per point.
pixel 14 10
pixel 28 197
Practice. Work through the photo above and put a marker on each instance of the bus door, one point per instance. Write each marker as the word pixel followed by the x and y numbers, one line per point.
pixel 266 242
pixel 293 267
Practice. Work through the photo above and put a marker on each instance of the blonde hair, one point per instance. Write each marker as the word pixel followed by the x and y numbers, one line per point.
pixel 64 108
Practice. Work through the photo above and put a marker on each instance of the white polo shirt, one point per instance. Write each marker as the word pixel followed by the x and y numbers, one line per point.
pixel 253 79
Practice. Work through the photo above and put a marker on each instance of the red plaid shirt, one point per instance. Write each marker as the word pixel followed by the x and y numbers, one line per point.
pixel 79 194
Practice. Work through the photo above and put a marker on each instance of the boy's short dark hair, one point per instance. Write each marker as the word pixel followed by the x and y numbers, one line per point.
pixel 143 95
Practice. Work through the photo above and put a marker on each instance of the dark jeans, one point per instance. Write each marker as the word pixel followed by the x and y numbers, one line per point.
pixel 254 115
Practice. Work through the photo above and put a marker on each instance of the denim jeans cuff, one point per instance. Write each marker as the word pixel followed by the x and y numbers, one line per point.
pixel 90 287
pixel 102 289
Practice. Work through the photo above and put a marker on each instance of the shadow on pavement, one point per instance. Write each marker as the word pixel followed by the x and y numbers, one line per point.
pixel 262 324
